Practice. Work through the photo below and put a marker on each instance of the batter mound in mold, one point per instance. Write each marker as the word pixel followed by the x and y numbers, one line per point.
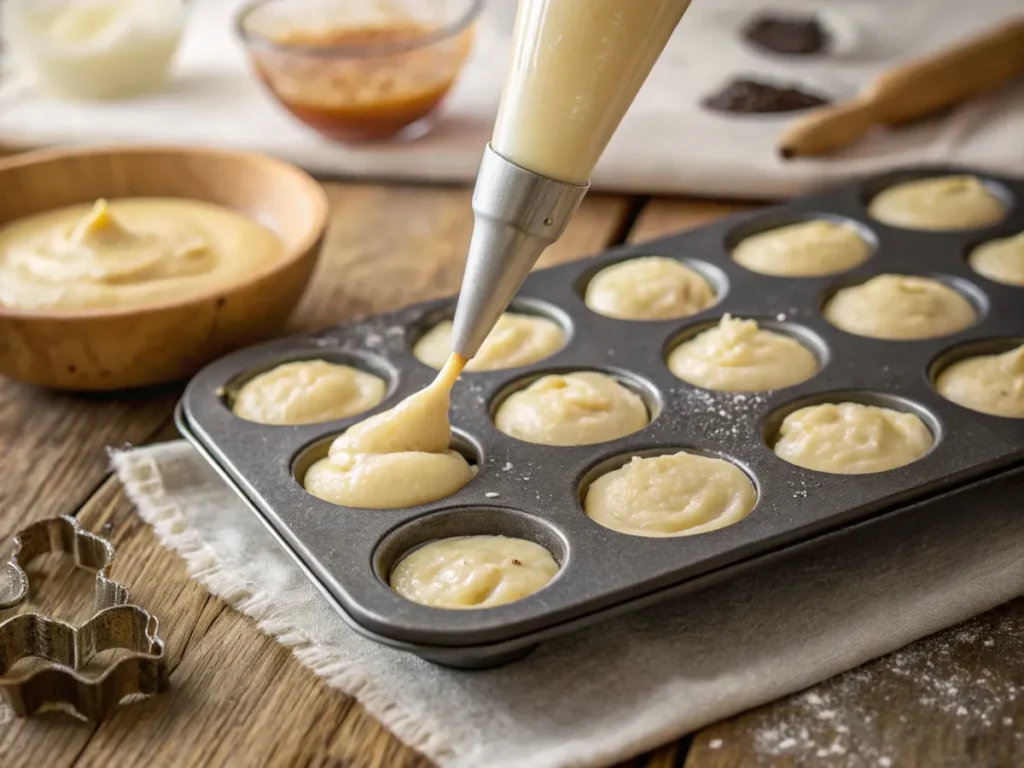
pixel 992 384
pixel 307 392
pixel 516 340
pixel 473 572
pixel 572 409
pixel 648 288
pixel 939 203
pixel 852 439
pixel 673 495
pixel 1000 260
pixel 807 249
pixel 738 356
pixel 900 307
pixel 396 459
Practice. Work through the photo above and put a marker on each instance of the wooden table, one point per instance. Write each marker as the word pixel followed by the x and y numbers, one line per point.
pixel 239 699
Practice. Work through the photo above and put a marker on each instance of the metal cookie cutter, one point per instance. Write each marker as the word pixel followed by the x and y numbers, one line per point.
pixel 59 685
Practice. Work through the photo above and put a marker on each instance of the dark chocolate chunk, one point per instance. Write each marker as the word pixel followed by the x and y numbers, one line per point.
pixel 789 35
pixel 752 97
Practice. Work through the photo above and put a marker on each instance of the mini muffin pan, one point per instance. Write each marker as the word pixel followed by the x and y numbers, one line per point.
pixel 535 491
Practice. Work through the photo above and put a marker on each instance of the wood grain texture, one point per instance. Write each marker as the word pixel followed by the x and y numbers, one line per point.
pixel 104 350
pixel 954 700
pixel 666 216
pixel 238 698
pixel 54 446
pixel 390 246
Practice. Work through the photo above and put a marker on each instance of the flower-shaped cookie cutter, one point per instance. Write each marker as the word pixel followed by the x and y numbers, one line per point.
pixel 59 683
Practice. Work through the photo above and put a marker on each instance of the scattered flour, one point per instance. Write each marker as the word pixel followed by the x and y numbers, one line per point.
pixel 947 676
pixel 721 414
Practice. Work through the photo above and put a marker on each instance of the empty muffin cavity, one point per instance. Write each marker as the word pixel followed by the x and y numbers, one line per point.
pixel 667 492
pixel 311 390
pixel 575 407
pixel 783 245
pixel 851 432
pixel 983 376
pixel 746 355
pixel 530 331
pixel 654 288
pixel 471 557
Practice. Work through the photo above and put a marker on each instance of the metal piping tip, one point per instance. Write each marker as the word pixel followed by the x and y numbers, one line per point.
pixel 517 214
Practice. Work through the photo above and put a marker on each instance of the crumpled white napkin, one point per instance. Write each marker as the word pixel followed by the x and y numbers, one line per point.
pixel 623 686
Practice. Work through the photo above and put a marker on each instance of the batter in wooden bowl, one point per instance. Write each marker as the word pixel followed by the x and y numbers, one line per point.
pixel 516 340
pixel 307 392
pixel 807 249
pixel 1000 260
pixel 130 252
pixel 572 409
pixel 900 307
pixel 938 203
pixel 991 384
pixel 852 439
pixel 648 288
pixel 738 356
pixel 673 495
pixel 473 572
pixel 398 458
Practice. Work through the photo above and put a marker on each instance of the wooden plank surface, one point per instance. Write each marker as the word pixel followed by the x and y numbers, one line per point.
pixel 240 699
pixel 237 698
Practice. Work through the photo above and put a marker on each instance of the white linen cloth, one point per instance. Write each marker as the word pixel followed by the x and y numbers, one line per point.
pixel 618 688
pixel 666 144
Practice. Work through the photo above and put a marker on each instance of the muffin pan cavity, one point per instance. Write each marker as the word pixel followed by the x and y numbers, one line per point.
pixel 798 263
pixel 534 491
pixel 360 361
pixel 519 306
pixel 467 521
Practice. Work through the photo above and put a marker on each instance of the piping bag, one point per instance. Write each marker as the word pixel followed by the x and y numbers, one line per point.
pixel 576 67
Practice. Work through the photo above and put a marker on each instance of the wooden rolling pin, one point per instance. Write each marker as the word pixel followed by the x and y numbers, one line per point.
pixel 913 90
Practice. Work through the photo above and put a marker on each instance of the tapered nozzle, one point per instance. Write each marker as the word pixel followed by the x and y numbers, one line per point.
pixel 516 215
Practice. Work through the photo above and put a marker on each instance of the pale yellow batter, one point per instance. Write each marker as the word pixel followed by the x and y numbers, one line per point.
pixel 572 409
pixel 939 203
pixel 1000 260
pixel 515 340
pixel 306 392
pixel 398 458
pixel 128 253
pixel 807 249
pixel 988 383
pixel 648 288
pixel 674 495
pixel 900 307
pixel 852 439
pixel 737 356
pixel 473 572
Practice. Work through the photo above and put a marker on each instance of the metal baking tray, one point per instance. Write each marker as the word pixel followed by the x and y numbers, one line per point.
pixel 534 491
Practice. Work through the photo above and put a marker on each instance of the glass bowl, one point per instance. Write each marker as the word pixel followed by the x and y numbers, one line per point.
pixel 359 70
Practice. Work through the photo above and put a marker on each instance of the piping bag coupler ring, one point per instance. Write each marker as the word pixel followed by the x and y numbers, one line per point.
pixel 516 215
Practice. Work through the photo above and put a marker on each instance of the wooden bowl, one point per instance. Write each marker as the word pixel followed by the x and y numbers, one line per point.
pixel 131 347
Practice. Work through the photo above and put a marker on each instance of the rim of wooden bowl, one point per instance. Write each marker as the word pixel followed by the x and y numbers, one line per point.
pixel 314 192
